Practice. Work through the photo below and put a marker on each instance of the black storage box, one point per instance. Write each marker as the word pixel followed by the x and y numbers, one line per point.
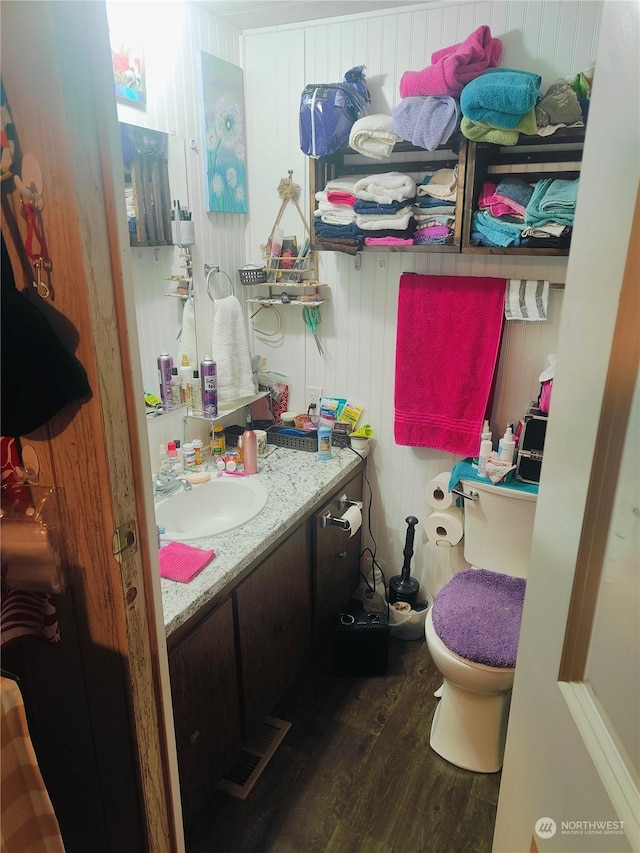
pixel 531 446
pixel 361 644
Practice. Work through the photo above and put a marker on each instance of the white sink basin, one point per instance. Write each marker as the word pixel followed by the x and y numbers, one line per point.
pixel 219 505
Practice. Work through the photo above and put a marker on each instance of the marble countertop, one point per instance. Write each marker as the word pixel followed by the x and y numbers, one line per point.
pixel 295 480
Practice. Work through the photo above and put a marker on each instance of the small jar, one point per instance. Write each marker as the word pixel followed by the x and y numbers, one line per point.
pixel 197 450
pixel 218 442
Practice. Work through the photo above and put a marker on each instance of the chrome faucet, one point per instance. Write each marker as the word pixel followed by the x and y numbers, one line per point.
pixel 165 485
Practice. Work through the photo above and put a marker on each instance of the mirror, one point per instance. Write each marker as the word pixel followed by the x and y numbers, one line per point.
pixel 155 175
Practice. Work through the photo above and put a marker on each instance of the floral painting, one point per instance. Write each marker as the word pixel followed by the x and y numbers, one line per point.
pixel 223 99
pixel 128 68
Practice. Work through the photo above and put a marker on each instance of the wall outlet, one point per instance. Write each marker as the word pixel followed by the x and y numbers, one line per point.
pixel 312 398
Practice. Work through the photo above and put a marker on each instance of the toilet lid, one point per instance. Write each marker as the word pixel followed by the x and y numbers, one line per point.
pixel 477 615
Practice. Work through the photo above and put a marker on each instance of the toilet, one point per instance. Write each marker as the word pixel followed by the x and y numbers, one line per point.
pixel 473 627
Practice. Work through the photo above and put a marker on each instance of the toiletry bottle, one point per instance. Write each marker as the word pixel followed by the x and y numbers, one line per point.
pixel 186 378
pixel 189 457
pixel 196 392
pixel 165 462
pixel 172 453
pixel 176 391
pixel 218 442
pixel 485 435
pixel 250 450
pixel 179 466
pixel 485 452
pixel 197 450
pixel 209 383
pixel 165 363
pixel 324 441
pixel 506 445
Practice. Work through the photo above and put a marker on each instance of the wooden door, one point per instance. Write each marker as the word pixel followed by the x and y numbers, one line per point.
pixel 206 708
pixel 572 759
pixel 274 625
pixel 97 701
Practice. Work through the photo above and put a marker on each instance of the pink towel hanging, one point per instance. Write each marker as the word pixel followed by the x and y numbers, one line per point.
pixel 448 339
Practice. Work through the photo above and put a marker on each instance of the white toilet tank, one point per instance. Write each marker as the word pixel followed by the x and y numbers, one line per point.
pixel 498 527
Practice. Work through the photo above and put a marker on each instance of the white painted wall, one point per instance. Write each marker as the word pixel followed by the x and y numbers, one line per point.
pixel 359 324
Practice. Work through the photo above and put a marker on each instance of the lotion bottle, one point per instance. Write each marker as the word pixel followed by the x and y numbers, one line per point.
pixel 506 445
pixel 485 452
pixel 324 441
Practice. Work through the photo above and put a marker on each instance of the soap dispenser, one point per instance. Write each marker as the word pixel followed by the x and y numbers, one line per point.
pixel 507 445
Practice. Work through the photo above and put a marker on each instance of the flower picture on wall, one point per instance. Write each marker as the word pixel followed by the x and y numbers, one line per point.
pixel 128 68
pixel 223 103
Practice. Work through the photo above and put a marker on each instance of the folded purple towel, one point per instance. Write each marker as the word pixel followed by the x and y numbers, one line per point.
pixel 454 66
pixel 426 122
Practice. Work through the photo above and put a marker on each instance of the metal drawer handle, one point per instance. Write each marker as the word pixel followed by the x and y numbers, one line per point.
pixel 472 496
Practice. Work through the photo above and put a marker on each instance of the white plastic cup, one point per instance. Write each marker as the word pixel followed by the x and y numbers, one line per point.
pixel 288 419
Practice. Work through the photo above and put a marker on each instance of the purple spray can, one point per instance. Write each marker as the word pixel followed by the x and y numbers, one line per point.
pixel 165 363
pixel 209 380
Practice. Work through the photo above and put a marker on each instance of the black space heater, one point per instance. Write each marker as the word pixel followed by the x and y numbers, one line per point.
pixel 402 587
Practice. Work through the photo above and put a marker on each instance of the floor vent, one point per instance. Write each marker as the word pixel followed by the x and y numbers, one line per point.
pixel 254 757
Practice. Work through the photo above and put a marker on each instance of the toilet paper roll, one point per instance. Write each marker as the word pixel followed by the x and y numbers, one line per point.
pixel 438 494
pixel 354 517
pixel 445 527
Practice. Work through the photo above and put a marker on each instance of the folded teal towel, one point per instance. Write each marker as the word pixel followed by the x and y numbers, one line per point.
pixel 501 96
pixel 464 470
pixel 552 201
pixel 496 230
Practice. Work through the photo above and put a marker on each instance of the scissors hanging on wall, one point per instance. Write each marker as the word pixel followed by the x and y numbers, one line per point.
pixel 311 316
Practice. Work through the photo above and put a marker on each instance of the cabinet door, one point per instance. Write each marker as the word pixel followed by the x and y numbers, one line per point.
pixel 274 625
pixel 204 688
pixel 336 565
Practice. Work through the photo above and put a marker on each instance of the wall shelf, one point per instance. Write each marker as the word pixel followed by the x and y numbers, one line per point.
pixel 533 158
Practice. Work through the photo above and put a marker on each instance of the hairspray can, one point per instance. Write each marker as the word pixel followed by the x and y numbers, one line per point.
pixel 209 379
pixel 165 363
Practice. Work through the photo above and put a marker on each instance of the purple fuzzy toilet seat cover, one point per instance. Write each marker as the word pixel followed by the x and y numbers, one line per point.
pixel 477 615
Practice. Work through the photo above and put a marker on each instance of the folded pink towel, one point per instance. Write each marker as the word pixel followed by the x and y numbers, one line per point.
pixel 388 241
pixel 340 197
pixel 446 351
pixel 453 67
pixel 180 562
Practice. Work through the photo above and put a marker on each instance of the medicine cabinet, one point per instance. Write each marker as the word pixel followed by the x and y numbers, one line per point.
pixel 155 175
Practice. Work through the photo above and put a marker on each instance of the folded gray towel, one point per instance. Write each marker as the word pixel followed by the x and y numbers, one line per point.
pixel 559 105
pixel 426 122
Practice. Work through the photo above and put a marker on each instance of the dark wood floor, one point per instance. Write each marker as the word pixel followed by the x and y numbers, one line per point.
pixel 355 773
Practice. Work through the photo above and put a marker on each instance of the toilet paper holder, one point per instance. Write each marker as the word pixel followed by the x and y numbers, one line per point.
pixel 326 519
pixel 472 495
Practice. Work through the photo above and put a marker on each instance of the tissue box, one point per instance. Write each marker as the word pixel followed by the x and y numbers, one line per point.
pixel 531 446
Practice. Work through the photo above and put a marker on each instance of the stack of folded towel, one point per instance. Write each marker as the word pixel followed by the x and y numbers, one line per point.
pixel 558 107
pixel 434 208
pixel 335 219
pixel 550 213
pixel 515 213
pixel 500 105
pixel 383 209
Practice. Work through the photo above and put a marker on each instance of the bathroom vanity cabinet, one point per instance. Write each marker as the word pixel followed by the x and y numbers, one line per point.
pixel 231 662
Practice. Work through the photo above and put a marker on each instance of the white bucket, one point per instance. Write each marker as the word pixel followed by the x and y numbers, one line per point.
pixel 407 624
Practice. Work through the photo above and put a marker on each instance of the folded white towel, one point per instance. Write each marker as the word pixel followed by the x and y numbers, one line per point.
pixel 374 136
pixel 381 222
pixel 188 336
pixel 345 184
pixel 527 299
pixel 443 184
pixel 335 218
pixel 230 351
pixel 385 188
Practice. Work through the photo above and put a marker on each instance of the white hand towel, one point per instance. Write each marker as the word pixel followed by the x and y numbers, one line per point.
pixel 443 184
pixel 374 136
pixel 188 336
pixel 230 351
pixel 527 299
pixel 385 188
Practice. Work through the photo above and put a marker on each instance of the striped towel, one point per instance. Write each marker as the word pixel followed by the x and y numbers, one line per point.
pixel 527 299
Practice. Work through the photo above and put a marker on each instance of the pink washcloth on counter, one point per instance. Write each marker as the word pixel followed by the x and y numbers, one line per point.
pixel 453 67
pixel 180 562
